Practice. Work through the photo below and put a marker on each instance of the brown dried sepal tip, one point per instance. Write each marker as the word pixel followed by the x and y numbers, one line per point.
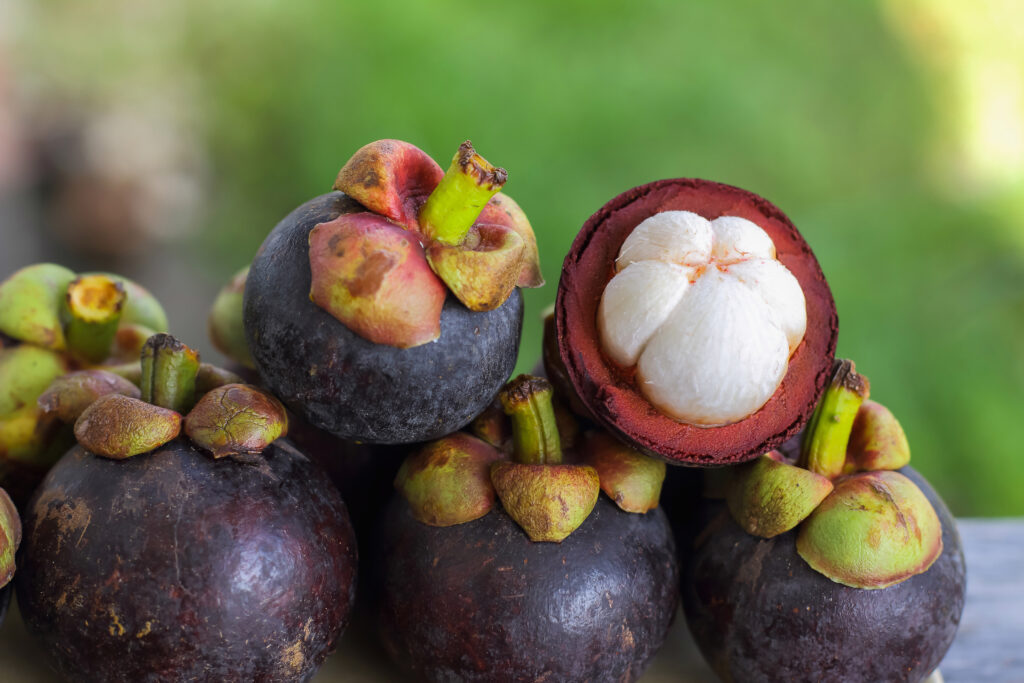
pixel 548 502
pixel 610 392
pixel 235 419
pixel 69 395
pixel 10 537
pixel 628 477
pixel 119 427
pixel 478 168
pixel 448 482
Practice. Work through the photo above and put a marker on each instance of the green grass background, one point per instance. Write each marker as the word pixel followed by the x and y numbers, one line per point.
pixel 817 106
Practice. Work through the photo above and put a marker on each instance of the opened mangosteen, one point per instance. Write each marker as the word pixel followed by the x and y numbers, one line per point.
pixel 843 565
pixel 183 539
pixel 694 322
pixel 388 311
pixel 53 321
pixel 498 569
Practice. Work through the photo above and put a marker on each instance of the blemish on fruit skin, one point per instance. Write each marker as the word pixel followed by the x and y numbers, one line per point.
pixel 116 628
pixel 145 630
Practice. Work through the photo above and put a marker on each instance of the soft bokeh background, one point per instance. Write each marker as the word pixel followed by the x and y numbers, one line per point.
pixel 164 140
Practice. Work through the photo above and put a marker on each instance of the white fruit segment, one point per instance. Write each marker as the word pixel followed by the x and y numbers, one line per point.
pixel 678 237
pixel 719 356
pixel 780 290
pixel 705 313
pixel 637 301
pixel 737 238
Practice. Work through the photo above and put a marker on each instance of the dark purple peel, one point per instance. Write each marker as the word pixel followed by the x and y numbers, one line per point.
pixel 177 566
pixel 759 612
pixel 596 606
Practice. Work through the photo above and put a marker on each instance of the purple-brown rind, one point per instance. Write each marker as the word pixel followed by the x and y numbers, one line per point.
pixel 481 602
pixel 609 391
pixel 176 566
pixel 758 612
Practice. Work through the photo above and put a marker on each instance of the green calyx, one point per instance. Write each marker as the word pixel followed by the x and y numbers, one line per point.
pixel 235 419
pixel 25 372
pixel 119 427
pixel 866 530
pixel 547 499
pixel 225 321
pixel 535 437
pixel 628 477
pixel 47 305
pixel 769 497
pixel 169 370
pixel 874 530
pixel 92 312
pixel 10 537
pixel 30 305
pixel 456 202
pixel 69 395
pixel 549 502
pixel 448 482
pixel 828 433
pixel 877 441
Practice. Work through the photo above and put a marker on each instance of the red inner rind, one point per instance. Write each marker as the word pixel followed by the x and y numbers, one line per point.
pixel 608 389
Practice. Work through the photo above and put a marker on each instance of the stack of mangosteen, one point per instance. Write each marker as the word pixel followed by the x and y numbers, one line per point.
pixel 184 537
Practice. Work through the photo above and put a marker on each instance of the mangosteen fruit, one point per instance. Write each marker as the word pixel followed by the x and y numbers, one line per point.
pixel 55 321
pixel 387 311
pixel 184 540
pixel 844 565
pixel 498 569
pixel 694 322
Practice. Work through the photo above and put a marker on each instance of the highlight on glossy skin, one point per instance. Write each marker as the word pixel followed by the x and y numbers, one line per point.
pixel 705 313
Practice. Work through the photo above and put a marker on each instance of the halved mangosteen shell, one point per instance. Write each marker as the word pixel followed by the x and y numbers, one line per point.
pixel 609 391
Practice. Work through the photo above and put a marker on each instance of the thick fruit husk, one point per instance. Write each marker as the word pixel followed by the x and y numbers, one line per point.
pixel 176 566
pixel 759 613
pixel 481 602
pixel 608 391
pixel 354 388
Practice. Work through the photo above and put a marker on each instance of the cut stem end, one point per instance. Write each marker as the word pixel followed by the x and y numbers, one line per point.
pixel 462 194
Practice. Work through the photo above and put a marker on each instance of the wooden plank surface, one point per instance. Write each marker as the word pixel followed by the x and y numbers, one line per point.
pixel 989 646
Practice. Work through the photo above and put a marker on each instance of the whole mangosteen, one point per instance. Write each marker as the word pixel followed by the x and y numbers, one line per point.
pixel 53 321
pixel 201 547
pixel 844 566
pixel 388 311
pixel 551 581
pixel 694 322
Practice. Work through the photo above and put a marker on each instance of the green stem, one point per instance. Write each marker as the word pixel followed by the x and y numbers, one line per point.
pixel 527 400
pixel 92 311
pixel 462 194
pixel 169 370
pixel 828 433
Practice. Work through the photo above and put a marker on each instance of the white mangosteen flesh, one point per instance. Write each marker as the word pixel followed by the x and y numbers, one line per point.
pixel 705 313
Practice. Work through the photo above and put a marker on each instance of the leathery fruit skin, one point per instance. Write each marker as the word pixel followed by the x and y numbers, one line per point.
pixel 354 388
pixel 173 566
pixel 759 612
pixel 480 602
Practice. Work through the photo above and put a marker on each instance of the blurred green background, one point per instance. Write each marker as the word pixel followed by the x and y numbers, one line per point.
pixel 891 132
